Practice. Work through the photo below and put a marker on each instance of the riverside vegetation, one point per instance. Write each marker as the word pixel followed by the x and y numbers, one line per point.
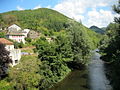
pixel 110 49
pixel 70 49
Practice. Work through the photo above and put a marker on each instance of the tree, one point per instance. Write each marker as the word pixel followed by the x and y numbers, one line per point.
pixel 25 76
pixel 111 49
pixel 2 35
pixel 116 8
pixel 4 60
pixel 79 43
pixel 28 39
pixel 54 57
pixel 9 19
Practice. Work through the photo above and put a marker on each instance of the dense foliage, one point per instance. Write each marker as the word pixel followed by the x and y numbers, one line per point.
pixel 2 35
pixel 111 49
pixel 79 42
pixel 54 57
pixel 23 76
pixel 69 49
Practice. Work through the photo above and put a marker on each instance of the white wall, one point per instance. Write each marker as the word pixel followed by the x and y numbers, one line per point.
pixel 9 47
pixel 27 31
pixel 15 55
pixel 17 38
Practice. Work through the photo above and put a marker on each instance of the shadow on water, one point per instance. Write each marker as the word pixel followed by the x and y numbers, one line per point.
pixel 92 78
pixel 76 80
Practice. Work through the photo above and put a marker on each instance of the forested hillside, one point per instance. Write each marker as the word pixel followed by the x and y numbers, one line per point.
pixel 40 19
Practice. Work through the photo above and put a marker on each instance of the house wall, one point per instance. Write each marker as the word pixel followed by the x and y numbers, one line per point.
pixel 9 47
pixel 15 55
pixel 26 31
pixel 25 34
pixel 17 38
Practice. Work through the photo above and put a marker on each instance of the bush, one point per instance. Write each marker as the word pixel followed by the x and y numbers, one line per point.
pixel 28 39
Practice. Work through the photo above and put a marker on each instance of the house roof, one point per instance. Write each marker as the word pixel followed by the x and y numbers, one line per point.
pixel 14 27
pixel 5 41
pixel 16 33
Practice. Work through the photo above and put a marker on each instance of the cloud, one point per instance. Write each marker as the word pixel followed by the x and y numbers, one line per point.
pixel 20 8
pixel 48 6
pixel 100 18
pixel 36 7
pixel 71 9
pixel 79 9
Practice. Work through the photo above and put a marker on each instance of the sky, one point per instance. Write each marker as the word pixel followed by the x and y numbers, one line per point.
pixel 90 12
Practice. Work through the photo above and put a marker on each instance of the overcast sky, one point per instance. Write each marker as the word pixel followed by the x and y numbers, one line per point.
pixel 90 12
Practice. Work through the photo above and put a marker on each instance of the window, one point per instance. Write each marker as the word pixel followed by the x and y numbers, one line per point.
pixel 16 61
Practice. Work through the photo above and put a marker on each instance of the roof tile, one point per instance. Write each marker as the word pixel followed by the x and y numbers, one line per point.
pixel 5 41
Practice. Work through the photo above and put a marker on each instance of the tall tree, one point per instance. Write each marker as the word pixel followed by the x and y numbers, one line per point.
pixel 4 60
pixel 111 49
pixel 79 42
pixel 116 8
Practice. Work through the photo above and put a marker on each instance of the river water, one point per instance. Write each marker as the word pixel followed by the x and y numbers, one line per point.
pixel 93 78
pixel 98 79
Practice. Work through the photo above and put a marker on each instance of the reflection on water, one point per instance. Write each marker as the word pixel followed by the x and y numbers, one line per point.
pixel 98 80
pixel 78 80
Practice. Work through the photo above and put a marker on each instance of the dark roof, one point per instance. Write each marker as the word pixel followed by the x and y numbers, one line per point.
pixel 15 33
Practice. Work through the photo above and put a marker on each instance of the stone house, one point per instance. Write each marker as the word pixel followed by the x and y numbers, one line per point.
pixel 15 54
pixel 33 34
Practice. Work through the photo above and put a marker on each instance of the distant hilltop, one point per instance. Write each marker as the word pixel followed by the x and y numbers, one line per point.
pixel 98 30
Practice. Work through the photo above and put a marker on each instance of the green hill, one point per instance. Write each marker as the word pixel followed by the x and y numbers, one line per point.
pixel 97 29
pixel 35 19
pixel 43 20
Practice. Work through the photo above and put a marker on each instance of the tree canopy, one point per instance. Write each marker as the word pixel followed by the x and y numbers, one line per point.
pixel 4 60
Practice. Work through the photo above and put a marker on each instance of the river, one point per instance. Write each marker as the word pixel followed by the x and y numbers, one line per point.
pixel 92 78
